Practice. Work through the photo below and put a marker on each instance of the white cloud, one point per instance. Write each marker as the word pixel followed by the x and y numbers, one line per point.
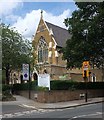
pixel 28 25
pixel 11 18
pixel 57 20
pixel 49 0
pixel 7 7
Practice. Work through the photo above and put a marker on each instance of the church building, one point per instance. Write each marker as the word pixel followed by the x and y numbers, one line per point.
pixel 48 42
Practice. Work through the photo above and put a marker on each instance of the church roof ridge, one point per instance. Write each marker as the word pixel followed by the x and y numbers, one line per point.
pixel 60 34
pixel 56 25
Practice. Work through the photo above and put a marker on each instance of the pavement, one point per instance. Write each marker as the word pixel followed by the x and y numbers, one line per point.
pixel 20 100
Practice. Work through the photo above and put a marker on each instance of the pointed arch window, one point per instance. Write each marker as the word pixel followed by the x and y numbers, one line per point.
pixel 42 50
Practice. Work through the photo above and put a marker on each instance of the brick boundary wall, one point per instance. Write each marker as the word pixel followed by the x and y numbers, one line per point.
pixel 60 95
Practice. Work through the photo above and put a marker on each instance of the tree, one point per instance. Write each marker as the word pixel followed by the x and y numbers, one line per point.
pixel 15 50
pixel 85 45
pixel 0 58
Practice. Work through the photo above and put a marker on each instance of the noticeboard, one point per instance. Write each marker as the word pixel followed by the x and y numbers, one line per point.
pixel 44 80
pixel 25 69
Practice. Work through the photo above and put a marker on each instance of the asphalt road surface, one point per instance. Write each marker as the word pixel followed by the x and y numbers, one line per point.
pixel 92 111
pixel 8 109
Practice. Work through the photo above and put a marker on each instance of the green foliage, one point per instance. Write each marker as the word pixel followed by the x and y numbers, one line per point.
pixel 33 85
pixel 59 85
pixel 0 75
pixel 91 85
pixel 85 46
pixel 25 86
pixel 7 93
pixel 0 88
pixel 38 88
pixel 62 85
pixel 72 85
pixel 7 96
pixel 16 50
pixel 3 76
pixel 6 87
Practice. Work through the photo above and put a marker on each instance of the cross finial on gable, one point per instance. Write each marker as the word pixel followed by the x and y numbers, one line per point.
pixel 41 13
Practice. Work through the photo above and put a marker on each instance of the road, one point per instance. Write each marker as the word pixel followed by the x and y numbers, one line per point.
pixel 8 109
pixel 86 111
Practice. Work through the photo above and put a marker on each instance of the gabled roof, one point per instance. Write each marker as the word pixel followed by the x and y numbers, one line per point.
pixel 61 35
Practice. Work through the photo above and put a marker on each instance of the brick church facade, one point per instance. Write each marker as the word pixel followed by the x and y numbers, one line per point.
pixel 48 42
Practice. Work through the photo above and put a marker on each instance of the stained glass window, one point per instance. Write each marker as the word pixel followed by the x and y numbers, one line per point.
pixel 42 50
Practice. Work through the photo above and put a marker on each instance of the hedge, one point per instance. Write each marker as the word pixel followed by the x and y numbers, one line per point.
pixel 70 85
pixel 61 85
pixel 6 87
pixel 25 86
pixel 0 87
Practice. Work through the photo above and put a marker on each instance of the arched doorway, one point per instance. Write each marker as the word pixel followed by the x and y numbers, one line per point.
pixel 35 76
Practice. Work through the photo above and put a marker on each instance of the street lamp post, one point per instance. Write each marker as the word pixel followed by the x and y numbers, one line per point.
pixel 85 76
pixel 85 71
pixel 86 90
pixel 29 83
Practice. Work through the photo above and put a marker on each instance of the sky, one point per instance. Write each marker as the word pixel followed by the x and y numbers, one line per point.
pixel 25 16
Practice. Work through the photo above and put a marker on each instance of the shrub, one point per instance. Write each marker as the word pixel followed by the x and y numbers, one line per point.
pixel 62 85
pixel 59 85
pixel 72 85
pixel 6 87
pixel 3 76
pixel 6 93
pixel 0 87
pixel 7 96
pixel 33 85
pixel 25 86
pixel 38 88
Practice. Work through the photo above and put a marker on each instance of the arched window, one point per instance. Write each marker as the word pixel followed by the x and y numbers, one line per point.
pixel 42 50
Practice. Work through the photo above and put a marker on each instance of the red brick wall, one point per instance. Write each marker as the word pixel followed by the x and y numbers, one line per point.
pixel 61 95
pixel 77 75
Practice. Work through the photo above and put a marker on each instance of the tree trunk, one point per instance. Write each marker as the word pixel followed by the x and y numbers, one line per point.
pixel 7 73
pixel 102 72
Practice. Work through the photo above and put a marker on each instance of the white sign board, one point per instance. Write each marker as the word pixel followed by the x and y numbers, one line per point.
pixel 25 68
pixel 44 80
